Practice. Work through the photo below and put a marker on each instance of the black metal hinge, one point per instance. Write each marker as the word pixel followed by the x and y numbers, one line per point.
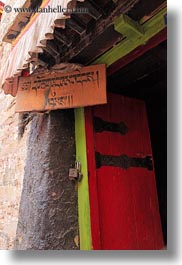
pixel 123 161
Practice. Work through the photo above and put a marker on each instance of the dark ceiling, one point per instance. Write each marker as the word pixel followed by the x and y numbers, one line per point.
pixel 87 36
pixel 150 69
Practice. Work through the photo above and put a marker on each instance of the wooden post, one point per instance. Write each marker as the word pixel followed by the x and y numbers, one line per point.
pixel 48 217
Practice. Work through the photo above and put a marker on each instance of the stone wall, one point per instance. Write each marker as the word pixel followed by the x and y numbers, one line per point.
pixel 12 153
pixel 12 161
pixel 53 223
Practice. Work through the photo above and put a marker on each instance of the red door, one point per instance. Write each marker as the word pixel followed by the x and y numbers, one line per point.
pixel 123 196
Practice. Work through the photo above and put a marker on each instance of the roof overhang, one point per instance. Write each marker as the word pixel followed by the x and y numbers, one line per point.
pixel 118 34
pixel 32 39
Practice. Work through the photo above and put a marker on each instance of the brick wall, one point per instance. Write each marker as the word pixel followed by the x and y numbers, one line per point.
pixel 12 162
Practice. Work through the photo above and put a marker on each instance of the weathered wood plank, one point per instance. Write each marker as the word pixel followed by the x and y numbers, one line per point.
pixel 50 91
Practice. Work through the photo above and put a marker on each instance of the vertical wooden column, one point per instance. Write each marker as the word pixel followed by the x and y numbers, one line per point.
pixel 83 189
pixel 48 216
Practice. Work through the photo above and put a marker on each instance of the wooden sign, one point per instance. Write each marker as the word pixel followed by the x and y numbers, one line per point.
pixel 53 90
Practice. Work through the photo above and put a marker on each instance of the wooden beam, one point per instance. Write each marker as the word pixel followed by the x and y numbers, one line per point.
pixel 128 27
pixel 101 25
pixel 75 26
pixel 62 38
pixel 51 52
pixel 135 36
pixel 92 11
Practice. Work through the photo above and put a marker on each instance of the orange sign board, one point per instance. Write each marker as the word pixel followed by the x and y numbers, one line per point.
pixel 54 90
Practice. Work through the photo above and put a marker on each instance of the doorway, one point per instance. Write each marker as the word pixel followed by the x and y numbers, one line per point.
pixel 122 189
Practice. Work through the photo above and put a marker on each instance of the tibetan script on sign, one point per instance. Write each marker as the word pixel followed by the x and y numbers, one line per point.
pixel 54 90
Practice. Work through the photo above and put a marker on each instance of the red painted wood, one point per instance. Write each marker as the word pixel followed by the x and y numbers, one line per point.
pixel 93 192
pixel 124 201
pixel 139 51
